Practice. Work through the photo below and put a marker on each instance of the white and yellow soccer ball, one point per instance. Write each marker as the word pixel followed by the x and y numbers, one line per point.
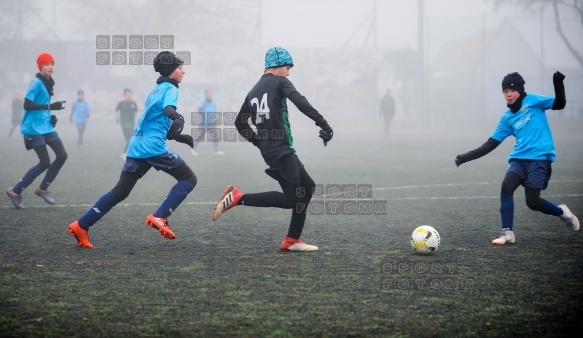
pixel 425 240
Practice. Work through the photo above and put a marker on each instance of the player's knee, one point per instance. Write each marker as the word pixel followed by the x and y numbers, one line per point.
pixel 120 194
pixel 44 164
pixel 192 180
pixel 536 204
pixel 62 157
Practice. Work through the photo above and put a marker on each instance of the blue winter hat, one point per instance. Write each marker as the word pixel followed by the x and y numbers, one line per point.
pixel 278 57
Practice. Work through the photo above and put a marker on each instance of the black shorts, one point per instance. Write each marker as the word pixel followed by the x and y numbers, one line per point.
pixel 33 141
pixel 286 170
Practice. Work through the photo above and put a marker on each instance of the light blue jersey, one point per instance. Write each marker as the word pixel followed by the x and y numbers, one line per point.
pixel 207 107
pixel 80 111
pixel 531 129
pixel 149 137
pixel 37 122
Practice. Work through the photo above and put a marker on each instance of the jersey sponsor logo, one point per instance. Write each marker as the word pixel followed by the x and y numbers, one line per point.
pixel 522 122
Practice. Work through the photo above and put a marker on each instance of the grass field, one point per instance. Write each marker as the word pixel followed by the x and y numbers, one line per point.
pixel 229 278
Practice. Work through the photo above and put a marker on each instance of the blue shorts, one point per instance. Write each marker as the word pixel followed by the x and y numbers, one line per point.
pixel 168 160
pixel 535 173
pixel 33 141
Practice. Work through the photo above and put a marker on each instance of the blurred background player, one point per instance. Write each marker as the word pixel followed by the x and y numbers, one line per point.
pixel 159 121
pixel 80 113
pixel 387 110
pixel 16 112
pixel 266 106
pixel 38 129
pixel 207 108
pixel 533 154
pixel 125 114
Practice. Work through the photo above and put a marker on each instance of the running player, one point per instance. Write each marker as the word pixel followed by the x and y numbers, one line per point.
pixel 38 129
pixel 266 106
pixel 534 151
pixel 147 149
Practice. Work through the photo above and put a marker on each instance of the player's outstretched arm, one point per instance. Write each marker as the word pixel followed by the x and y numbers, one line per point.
pixel 29 105
pixel 482 150
pixel 560 99
pixel 300 101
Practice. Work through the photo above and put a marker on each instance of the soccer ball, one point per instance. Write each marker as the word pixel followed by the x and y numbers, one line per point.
pixel 425 240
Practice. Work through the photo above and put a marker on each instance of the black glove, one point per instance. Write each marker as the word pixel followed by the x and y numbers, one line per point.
pixel 459 161
pixel 57 105
pixel 558 78
pixel 326 132
pixel 54 120
pixel 175 128
pixel 186 139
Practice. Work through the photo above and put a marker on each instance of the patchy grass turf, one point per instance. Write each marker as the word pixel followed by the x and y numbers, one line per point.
pixel 228 278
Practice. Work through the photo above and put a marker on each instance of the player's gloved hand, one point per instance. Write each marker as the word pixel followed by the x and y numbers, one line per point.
pixel 186 139
pixel 54 120
pixel 459 161
pixel 326 132
pixel 558 78
pixel 57 105
pixel 175 128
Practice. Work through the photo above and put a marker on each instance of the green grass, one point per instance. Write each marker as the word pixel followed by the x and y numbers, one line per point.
pixel 229 278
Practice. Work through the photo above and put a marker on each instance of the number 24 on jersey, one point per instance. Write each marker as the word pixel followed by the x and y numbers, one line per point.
pixel 262 109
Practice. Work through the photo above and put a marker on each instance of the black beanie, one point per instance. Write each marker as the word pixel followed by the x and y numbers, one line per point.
pixel 166 62
pixel 513 81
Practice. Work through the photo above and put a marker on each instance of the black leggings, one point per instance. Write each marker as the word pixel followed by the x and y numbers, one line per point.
pixel 296 197
pixel 512 181
pixel 128 180
pixel 44 163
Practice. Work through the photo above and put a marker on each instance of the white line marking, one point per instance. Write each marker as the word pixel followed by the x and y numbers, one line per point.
pixel 422 186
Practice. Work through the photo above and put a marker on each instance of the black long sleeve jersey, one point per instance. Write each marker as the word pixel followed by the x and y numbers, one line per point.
pixel 266 106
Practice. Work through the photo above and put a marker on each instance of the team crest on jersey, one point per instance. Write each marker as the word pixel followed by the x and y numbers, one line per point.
pixel 524 108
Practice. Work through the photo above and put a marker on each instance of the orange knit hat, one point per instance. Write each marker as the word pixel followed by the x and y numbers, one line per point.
pixel 44 58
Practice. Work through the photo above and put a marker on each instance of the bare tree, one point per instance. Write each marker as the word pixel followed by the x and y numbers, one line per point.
pixel 575 6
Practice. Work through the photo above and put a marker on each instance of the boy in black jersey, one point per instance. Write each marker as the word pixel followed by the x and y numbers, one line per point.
pixel 266 106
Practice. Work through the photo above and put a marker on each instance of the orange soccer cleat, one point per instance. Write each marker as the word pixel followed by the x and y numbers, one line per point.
pixel 160 224
pixel 81 235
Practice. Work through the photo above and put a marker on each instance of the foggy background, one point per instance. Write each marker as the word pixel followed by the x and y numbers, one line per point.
pixel 442 59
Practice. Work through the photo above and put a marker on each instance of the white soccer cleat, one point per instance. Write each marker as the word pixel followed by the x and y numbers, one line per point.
pixel 292 244
pixel 505 237
pixel 569 218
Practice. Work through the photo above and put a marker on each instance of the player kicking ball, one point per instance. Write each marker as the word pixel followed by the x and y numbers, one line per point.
pixel 266 106
pixel 534 151
pixel 147 149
